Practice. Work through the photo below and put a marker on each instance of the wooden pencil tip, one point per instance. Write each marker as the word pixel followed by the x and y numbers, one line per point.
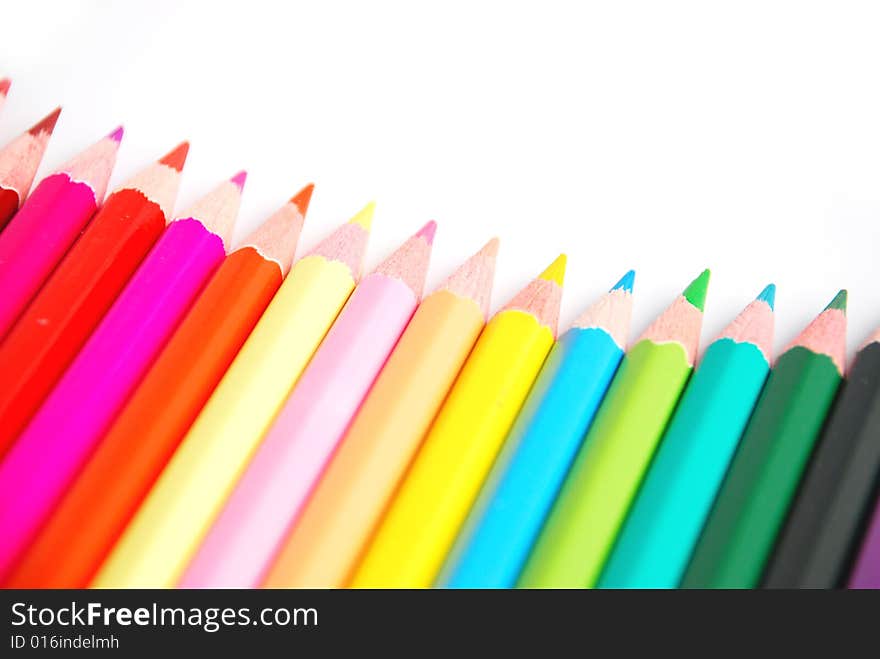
pixel 555 272
pixel 768 295
pixel 47 123
pixel 490 249
pixel 626 282
pixel 427 232
pixel 5 83
pixel 364 216
pixel 695 293
pixel 176 158
pixel 839 301
pixel 116 134
pixel 239 179
pixel 302 199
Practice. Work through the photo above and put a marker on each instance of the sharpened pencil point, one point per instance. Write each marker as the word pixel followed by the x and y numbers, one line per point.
pixel 427 232
pixel 46 124
pixel 4 86
pixel 116 134
pixel 626 282
pixel 364 217
pixel 555 272
pixel 695 293
pixel 239 179
pixel 490 249
pixel 176 158
pixel 302 198
pixel 768 295
pixel 839 301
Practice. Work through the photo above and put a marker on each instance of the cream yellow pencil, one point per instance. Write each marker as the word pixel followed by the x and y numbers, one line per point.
pixel 323 547
pixel 166 531
pixel 412 541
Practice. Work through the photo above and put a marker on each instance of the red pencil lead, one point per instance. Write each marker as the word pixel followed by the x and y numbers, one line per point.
pixel 176 158
pixel 4 86
pixel 46 124
pixel 302 198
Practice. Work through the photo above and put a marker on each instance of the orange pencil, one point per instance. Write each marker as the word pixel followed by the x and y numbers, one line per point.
pixel 19 161
pixel 86 524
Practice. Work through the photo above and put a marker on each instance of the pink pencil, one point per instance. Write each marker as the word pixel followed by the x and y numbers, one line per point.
pixel 48 223
pixel 253 524
pixel 52 448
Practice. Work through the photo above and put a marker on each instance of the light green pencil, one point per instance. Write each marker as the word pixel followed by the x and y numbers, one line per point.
pixel 580 531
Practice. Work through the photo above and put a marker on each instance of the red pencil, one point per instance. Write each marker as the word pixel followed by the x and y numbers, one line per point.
pixel 19 161
pixel 48 223
pixel 59 320
pixel 4 90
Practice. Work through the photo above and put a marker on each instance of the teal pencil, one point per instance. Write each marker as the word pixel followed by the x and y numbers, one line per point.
pixel 670 510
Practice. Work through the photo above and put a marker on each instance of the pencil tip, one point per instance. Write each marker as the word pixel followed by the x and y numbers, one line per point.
pixel 364 216
pixel 839 301
pixel 47 123
pixel 239 179
pixel 116 134
pixel 427 232
pixel 626 282
pixel 302 198
pixel 5 83
pixel 555 272
pixel 768 295
pixel 695 293
pixel 490 249
pixel 176 158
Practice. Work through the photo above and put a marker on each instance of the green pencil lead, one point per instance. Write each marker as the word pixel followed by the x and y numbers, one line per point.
pixel 695 293
pixel 839 301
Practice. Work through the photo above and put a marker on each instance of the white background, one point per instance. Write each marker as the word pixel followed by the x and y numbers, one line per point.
pixel 662 136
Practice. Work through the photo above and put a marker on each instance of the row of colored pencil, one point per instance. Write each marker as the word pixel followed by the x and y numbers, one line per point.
pixel 178 412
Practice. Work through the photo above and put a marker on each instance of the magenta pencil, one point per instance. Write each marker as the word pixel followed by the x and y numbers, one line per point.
pixel 19 161
pixel 253 524
pixel 49 221
pixel 60 437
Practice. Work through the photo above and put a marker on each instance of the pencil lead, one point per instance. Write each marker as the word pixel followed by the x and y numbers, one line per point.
pixel 626 282
pixel 695 293
pixel 555 272
pixel 116 134
pixel 427 232
pixel 176 158
pixel 364 217
pixel 768 295
pixel 239 179
pixel 302 199
pixel 839 301
pixel 5 83
pixel 46 124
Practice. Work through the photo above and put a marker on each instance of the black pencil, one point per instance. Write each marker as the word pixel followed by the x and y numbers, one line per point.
pixel 828 518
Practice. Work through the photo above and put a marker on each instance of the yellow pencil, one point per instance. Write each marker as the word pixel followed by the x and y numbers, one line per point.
pixel 165 532
pixel 421 524
pixel 345 507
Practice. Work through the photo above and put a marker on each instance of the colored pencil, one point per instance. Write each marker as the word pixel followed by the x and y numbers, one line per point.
pixel 756 494
pixel 525 479
pixel 347 503
pixel 59 320
pixel 665 521
pixel 827 518
pixel 248 532
pixel 605 475
pixel 19 161
pixel 90 517
pixel 866 571
pixel 82 405
pixel 414 537
pixel 163 535
pixel 5 83
pixel 48 222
